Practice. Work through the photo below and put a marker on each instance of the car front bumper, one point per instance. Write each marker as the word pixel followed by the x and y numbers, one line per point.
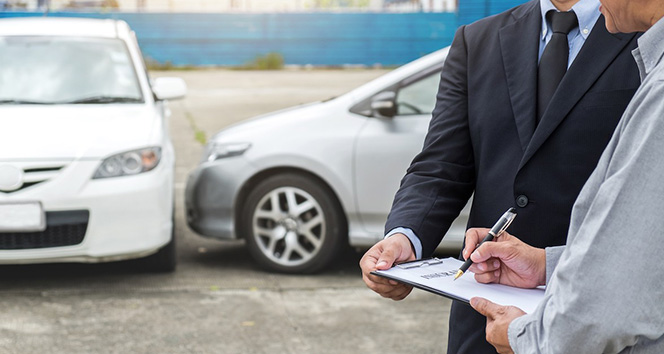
pixel 210 196
pixel 120 218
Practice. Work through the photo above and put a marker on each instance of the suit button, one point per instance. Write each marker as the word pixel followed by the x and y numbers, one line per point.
pixel 521 201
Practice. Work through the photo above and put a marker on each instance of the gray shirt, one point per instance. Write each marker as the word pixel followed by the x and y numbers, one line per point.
pixel 606 292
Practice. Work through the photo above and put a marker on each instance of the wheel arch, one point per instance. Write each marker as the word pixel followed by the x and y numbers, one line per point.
pixel 264 174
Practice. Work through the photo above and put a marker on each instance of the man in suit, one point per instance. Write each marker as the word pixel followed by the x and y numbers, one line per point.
pixel 511 128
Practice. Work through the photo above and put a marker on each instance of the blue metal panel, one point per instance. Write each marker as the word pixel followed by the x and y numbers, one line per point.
pixel 473 10
pixel 311 38
pixel 498 6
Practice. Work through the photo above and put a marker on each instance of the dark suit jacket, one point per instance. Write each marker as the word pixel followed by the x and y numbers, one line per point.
pixel 483 138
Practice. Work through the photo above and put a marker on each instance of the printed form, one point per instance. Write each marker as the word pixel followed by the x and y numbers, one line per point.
pixel 437 276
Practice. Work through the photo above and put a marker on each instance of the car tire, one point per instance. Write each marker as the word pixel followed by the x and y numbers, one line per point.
pixel 165 260
pixel 293 224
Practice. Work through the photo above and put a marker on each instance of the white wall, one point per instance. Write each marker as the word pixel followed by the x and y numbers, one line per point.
pixel 425 5
pixel 253 5
pixel 220 5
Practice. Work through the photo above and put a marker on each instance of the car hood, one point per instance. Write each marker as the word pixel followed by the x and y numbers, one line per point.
pixel 274 122
pixel 73 131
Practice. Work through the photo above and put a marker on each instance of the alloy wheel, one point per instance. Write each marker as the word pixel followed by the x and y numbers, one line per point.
pixel 289 226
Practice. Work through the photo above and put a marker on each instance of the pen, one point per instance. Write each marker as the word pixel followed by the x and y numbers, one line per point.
pixel 497 229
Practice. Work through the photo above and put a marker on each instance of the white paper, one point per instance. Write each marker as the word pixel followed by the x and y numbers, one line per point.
pixel 440 277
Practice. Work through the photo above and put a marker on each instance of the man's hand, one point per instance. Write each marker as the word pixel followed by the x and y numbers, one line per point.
pixel 394 249
pixel 498 319
pixel 507 261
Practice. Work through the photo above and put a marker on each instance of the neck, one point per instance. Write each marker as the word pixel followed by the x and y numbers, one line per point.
pixel 564 5
pixel 645 14
pixel 655 14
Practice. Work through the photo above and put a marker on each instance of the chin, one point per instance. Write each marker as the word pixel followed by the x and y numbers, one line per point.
pixel 611 27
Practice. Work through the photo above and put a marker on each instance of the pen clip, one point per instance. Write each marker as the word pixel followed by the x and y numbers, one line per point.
pixel 417 264
pixel 510 215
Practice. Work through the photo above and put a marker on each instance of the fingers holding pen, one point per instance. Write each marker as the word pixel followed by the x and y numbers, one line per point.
pixel 497 249
pixel 473 238
pixel 488 266
pixel 492 276
pixel 487 271
pixel 482 261
pixel 488 257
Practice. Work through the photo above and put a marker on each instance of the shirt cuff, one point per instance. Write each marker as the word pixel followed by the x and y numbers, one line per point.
pixel 414 240
pixel 516 329
pixel 552 257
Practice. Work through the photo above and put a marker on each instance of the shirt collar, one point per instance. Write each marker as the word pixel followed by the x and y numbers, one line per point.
pixel 651 48
pixel 587 12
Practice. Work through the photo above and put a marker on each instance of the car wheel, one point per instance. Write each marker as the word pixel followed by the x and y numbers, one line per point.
pixel 165 260
pixel 293 224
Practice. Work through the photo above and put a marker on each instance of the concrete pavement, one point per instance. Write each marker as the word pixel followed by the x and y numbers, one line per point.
pixel 217 301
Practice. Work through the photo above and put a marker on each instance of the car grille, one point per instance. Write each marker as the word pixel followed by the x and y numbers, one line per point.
pixel 34 174
pixel 63 228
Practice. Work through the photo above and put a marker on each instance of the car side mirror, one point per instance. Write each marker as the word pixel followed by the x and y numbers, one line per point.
pixel 384 104
pixel 169 88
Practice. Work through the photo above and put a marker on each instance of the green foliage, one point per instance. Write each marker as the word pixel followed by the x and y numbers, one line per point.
pixel 152 64
pixel 199 135
pixel 103 5
pixel 155 65
pixel 269 61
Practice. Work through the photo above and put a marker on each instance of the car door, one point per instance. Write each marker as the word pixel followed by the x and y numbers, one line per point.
pixel 386 146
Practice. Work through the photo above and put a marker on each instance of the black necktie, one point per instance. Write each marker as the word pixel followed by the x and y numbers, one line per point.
pixel 553 64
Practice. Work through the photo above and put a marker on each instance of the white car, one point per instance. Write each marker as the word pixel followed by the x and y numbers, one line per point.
pixel 300 183
pixel 86 162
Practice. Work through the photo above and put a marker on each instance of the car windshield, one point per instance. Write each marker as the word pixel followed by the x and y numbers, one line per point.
pixel 66 70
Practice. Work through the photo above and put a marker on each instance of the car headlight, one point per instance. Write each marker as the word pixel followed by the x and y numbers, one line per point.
pixel 129 163
pixel 216 151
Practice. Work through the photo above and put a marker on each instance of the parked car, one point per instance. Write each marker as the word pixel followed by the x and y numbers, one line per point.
pixel 86 162
pixel 300 183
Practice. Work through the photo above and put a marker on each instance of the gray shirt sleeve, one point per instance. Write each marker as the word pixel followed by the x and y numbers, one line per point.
pixel 552 257
pixel 606 293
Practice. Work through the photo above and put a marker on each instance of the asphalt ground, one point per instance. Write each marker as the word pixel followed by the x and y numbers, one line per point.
pixel 218 300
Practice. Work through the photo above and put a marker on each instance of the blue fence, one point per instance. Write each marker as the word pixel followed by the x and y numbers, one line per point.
pixel 301 38
pixel 325 39
pixel 473 10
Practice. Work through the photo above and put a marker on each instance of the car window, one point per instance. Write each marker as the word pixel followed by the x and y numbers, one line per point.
pixel 66 70
pixel 418 97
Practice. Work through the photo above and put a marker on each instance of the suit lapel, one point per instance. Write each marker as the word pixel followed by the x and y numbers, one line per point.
pixel 600 49
pixel 519 44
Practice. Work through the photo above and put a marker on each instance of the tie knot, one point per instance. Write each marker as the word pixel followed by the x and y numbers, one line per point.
pixel 562 22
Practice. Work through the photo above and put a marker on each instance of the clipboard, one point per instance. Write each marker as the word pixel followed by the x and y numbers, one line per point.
pixel 436 276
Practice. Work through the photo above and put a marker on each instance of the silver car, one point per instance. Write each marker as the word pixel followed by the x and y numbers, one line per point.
pixel 300 183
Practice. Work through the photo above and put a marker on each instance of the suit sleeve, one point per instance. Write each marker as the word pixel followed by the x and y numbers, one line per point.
pixel 441 178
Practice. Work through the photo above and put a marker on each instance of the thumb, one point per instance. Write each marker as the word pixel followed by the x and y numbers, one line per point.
pixel 386 259
pixel 484 306
pixel 488 250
